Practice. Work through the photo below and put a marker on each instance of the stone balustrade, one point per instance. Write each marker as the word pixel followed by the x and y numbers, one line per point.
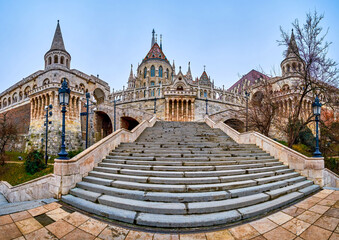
pixel 68 172
pixel 310 167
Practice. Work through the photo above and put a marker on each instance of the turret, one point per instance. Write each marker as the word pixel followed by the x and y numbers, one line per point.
pixel 57 55
pixel 292 64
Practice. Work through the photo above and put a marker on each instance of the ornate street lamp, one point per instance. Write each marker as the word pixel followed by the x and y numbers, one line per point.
pixel 316 111
pixel 247 95
pixel 64 93
pixel 47 122
pixel 206 106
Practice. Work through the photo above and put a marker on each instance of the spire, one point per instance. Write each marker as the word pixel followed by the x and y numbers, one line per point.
pixel 131 73
pixel 153 39
pixel 58 42
pixel 292 46
pixel 161 41
pixel 189 74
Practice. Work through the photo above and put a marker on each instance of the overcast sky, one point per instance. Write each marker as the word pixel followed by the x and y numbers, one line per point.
pixel 105 37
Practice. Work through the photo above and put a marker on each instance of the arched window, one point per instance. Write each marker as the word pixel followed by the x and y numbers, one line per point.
pixel 46 81
pixel 55 59
pixel 145 72
pixel 167 72
pixel 160 71
pixel 144 93
pixel 288 68
pixel 67 63
pixel 205 94
pixel 152 83
pixel 152 93
pixel 159 92
pixel 152 71
pixel 49 61
pixel 62 60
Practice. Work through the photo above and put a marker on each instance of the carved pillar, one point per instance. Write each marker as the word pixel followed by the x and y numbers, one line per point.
pixel 167 110
pixel 187 115
pixel 177 109
pixel 192 111
pixel 172 111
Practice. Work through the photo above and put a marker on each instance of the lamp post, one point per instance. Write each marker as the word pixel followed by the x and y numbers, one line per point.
pixel 64 93
pixel 48 113
pixel 247 94
pixel 155 105
pixel 115 111
pixel 316 111
pixel 206 106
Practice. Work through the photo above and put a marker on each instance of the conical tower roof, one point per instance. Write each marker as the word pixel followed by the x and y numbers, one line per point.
pixel 292 46
pixel 58 42
pixel 155 53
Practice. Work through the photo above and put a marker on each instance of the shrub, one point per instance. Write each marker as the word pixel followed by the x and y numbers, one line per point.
pixel 332 164
pixel 34 162
pixel 303 149
pixel 74 153
pixel 307 138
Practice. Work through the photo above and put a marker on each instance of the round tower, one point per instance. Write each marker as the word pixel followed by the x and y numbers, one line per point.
pixel 292 64
pixel 57 56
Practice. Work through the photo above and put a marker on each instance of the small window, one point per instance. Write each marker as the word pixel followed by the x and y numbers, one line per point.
pixel 167 72
pixel 49 61
pixel 160 71
pixel 152 83
pixel 152 71
pixel 62 60
pixel 55 59
pixel 145 72
pixel 152 93
pixel 205 94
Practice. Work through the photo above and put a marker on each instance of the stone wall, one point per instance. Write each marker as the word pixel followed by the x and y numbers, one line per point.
pixel 20 117
pixel 310 167
pixel 330 179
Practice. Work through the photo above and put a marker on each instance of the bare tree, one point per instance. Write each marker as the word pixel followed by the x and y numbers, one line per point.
pixel 8 133
pixel 317 74
pixel 262 109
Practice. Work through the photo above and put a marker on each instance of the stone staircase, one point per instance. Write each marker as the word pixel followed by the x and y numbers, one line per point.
pixel 186 174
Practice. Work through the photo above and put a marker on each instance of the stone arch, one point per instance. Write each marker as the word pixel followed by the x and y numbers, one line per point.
pixel 99 95
pixel 62 60
pixel 49 60
pixel 15 97
pixel 46 81
pixel 235 124
pixel 26 91
pixel 55 58
pixel 128 123
pixel 103 125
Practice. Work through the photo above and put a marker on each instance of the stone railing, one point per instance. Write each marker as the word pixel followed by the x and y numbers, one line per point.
pixel 31 190
pixel 331 179
pixel 69 172
pixel 310 167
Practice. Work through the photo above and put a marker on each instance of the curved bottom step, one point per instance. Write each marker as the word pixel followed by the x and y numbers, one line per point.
pixel 188 221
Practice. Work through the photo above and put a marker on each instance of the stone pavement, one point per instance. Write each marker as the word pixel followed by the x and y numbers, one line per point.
pixel 316 217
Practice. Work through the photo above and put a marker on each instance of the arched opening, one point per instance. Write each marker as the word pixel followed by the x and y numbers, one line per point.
pixel 152 71
pixel 145 72
pixel 103 125
pixel 99 95
pixel 160 71
pixel 257 97
pixel 62 60
pixel 67 63
pixel 46 81
pixel 180 88
pixel 128 123
pixel 55 59
pixel 49 61
pixel 235 124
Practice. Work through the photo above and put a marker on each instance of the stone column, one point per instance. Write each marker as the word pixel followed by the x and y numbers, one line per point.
pixel 167 110
pixel 187 115
pixel 172 112
pixel 177 109
pixel 192 111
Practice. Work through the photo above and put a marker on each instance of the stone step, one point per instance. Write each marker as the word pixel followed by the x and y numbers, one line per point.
pixel 101 210
pixel 143 206
pixel 187 221
pixel 288 189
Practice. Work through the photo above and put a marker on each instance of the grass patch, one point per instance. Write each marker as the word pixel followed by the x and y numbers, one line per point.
pixel 14 156
pixel 15 173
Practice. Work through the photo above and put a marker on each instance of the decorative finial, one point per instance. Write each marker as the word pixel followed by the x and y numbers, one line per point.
pixel 204 67
pixel 156 38
pixel 58 21
pixel 179 68
pixel 97 75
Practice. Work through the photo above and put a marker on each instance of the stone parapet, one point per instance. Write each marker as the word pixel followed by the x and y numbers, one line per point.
pixel 38 188
pixel 310 167
pixel 331 179
pixel 69 172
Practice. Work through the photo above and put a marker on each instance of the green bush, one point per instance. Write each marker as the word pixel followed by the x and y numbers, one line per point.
pixel 74 153
pixel 303 149
pixel 307 138
pixel 332 164
pixel 34 162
